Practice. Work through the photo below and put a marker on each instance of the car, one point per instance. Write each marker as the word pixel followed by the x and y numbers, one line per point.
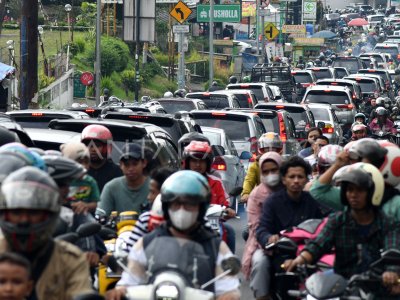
pixel 175 127
pixel 280 122
pixel 374 20
pixel 339 97
pixel 302 80
pixel 352 85
pixel 157 140
pixel 51 139
pixel 382 73
pixel 381 82
pixel 379 58
pixel 244 128
pixel 173 105
pixel 216 100
pixel 393 39
pixel 17 129
pixel 277 93
pixel 260 89
pixel 227 164
pixel 370 87
pixel 331 128
pixel 351 63
pixel 323 72
pixel 391 48
pixel 246 98
pixel 40 118
pixel 302 116
pixel 95 111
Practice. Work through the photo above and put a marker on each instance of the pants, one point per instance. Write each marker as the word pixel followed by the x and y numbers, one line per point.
pixel 260 276
pixel 230 237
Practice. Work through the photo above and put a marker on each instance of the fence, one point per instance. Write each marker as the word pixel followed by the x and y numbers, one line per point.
pixel 60 93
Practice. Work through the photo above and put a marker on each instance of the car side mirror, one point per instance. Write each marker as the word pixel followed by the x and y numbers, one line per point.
pixel 321 125
pixel 197 127
pixel 218 150
pixel 245 155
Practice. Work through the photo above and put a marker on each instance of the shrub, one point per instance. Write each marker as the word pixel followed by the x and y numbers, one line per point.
pixel 128 80
pixel 107 83
pixel 150 70
pixel 45 81
pixel 80 44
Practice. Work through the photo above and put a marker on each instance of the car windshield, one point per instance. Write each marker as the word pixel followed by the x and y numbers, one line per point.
pixel 350 64
pixel 256 89
pixel 172 107
pixel 321 74
pixel 235 127
pixel 376 18
pixel 217 102
pixel 302 78
pixel 341 73
pixel 39 121
pixel 331 97
pixel 387 49
pixel 243 100
pixel 320 113
pixel 270 124
pixel 214 137
pixel 367 86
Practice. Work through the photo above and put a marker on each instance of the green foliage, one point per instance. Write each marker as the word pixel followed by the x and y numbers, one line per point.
pixel 128 80
pixel 149 71
pixel 114 55
pixel 161 58
pixel 80 44
pixel 88 16
pixel 45 81
pixel 107 83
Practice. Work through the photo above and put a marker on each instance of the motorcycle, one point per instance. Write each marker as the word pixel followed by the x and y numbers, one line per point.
pixel 363 286
pixel 177 271
pixel 383 135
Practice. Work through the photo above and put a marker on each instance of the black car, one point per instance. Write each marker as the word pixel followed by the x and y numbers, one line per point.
pixel 154 138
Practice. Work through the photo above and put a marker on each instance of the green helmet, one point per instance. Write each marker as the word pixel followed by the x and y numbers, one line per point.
pixel 246 79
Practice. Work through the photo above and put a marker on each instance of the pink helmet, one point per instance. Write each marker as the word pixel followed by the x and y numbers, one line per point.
pixel 327 155
pixel 390 168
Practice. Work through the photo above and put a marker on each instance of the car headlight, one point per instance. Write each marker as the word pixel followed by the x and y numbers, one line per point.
pixel 167 291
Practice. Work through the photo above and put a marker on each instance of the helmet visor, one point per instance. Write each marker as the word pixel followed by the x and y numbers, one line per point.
pixel 29 195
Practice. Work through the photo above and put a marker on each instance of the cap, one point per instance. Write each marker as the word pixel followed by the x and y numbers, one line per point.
pixel 74 150
pixel 131 150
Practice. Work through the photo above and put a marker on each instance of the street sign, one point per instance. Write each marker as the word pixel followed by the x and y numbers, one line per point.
pixel 293 29
pixel 222 13
pixel 87 78
pixel 270 31
pixel 180 12
pixel 309 10
pixel 180 29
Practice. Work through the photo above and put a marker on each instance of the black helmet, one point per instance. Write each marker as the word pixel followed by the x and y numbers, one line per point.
pixel 31 189
pixel 360 115
pixel 181 93
pixel 233 79
pixel 370 149
pixel 7 136
pixel 106 92
pixel 188 184
pixel 63 170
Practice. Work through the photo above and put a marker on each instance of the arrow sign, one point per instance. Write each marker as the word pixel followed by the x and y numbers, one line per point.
pixel 270 31
pixel 180 12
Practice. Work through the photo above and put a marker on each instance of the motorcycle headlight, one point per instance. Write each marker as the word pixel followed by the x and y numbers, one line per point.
pixel 167 291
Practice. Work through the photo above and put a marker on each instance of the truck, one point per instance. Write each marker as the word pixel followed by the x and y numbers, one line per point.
pixel 275 74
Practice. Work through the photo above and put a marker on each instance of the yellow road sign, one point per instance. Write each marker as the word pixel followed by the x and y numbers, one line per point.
pixel 270 31
pixel 180 12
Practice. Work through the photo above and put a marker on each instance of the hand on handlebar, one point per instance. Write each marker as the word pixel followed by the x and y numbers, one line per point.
pixel 229 213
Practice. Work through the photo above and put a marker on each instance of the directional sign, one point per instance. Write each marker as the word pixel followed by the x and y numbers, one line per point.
pixel 270 31
pixel 309 10
pixel 222 13
pixel 180 12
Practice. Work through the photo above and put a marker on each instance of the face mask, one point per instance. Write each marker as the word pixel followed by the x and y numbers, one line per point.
pixel 183 219
pixel 271 179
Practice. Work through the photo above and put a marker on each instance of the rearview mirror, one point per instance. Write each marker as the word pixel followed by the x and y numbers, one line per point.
pixel 231 263
pixel 321 125
pixel 245 155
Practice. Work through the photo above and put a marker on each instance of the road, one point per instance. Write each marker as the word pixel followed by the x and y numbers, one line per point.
pixel 239 225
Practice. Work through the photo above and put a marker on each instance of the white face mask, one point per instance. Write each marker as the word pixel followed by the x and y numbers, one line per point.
pixel 271 179
pixel 183 219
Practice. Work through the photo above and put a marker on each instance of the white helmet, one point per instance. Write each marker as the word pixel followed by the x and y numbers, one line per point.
pixel 390 168
pixel 168 95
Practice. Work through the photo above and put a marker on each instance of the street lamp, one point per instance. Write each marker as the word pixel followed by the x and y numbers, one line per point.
pixel 68 8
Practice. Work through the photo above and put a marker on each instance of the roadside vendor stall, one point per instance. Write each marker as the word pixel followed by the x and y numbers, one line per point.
pixel 308 48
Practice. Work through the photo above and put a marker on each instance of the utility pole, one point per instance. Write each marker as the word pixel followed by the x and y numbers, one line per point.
pixel 211 40
pixel 98 54
pixel 181 65
pixel 137 54
pixel 29 52
pixel 257 31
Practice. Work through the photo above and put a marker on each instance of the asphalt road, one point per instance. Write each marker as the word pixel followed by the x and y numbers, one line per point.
pixel 239 225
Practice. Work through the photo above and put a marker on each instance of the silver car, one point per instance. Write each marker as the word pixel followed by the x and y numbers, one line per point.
pixel 228 165
pixel 332 129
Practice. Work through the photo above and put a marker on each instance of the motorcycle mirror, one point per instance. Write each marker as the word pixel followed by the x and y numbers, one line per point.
pixel 88 229
pixel 236 191
pixel 324 286
pixel 245 155
pixel 231 263
pixel 70 237
pixel 107 234
pixel 88 296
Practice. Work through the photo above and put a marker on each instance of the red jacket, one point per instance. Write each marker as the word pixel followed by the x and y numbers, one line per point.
pixel 218 193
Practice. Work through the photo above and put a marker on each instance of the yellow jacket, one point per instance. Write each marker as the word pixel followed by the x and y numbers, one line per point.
pixel 66 274
pixel 252 178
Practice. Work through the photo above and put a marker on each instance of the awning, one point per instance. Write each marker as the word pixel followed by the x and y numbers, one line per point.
pixel 5 70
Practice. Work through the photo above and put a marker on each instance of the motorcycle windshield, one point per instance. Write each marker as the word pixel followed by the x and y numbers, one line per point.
pixel 180 255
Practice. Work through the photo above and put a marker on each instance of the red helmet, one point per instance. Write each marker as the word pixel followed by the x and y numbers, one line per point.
pixel 96 132
pixel 198 150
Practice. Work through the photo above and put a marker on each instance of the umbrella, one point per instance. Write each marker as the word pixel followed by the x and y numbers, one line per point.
pixel 326 34
pixel 357 22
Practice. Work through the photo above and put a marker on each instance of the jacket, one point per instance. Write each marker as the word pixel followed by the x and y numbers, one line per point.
pixel 218 193
pixel 65 275
pixel 254 207
pixel 329 195
pixel 375 127
pixel 252 178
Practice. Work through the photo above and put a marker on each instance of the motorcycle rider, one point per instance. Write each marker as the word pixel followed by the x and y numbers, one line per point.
pixel 362 188
pixel 98 139
pixel 29 208
pixel 382 122
pixel 185 196
pixel 269 141
pixel 359 131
